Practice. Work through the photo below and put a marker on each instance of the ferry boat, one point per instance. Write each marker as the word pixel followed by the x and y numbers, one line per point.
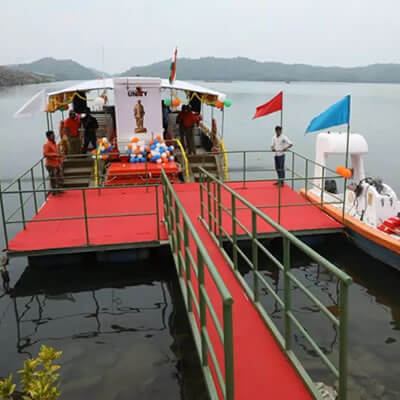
pixel 371 208
pixel 112 102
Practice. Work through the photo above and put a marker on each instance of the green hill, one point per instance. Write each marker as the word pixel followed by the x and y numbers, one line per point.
pixel 12 77
pixel 231 69
pixel 60 70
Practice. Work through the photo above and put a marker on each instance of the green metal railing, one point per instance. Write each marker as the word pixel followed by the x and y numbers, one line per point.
pixel 212 191
pixel 197 272
pixel 29 192
pixel 298 171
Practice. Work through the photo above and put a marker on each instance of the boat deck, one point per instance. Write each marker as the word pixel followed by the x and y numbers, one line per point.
pixel 129 217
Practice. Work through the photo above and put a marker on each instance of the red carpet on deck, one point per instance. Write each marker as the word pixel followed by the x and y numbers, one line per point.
pixel 261 370
pixel 141 229
pixel 102 231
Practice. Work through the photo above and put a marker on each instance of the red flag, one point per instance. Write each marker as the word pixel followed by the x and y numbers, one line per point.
pixel 270 107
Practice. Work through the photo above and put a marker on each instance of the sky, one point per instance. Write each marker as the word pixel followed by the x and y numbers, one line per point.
pixel 139 32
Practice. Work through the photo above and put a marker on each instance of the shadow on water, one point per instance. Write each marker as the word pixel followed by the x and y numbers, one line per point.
pixel 374 317
pixel 122 328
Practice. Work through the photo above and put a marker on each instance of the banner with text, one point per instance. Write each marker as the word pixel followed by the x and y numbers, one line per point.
pixel 138 108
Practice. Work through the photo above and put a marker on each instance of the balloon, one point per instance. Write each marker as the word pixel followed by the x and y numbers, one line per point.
pixel 158 137
pixel 167 102
pixel 219 105
pixel 135 139
pixel 158 161
pixel 227 103
pixel 222 98
pixel 171 148
pixel 176 102
pixel 62 108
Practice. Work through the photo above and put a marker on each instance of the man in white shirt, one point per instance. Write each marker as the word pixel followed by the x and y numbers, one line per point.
pixel 280 143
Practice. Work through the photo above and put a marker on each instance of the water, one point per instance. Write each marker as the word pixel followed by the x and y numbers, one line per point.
pixel 122 328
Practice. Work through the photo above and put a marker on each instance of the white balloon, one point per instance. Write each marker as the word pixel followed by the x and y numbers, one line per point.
pixel 222 98
pixel 159 161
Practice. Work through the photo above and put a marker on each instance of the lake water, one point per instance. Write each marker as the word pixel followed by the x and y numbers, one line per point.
pixel 122 327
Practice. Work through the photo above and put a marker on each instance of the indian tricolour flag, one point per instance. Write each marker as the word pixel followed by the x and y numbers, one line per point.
pixel 172 74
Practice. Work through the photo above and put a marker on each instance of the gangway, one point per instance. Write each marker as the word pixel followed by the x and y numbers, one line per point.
pixel 243 355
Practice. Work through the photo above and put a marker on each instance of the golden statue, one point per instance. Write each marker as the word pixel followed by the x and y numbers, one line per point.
pixel 138 113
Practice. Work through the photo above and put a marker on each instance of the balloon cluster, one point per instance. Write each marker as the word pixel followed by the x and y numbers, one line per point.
pixel 136 151
pixel 175 102
pixel 104 148
pixel 155 152
pixel 222 102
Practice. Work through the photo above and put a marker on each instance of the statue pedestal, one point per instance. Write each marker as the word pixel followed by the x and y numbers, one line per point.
pixel 140 130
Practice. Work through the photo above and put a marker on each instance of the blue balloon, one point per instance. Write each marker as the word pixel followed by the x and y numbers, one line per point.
pixel 170 148
pixel 155 141
pixel 153 146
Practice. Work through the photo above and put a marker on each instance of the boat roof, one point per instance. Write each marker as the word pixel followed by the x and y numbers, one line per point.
pixel 108 83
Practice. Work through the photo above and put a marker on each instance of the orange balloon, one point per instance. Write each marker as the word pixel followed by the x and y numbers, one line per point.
pixel 137 151
pixel 176 102
pixel 158 137
pixel 345 172
pixel 130 146
pixel 135 139
pixel 219 104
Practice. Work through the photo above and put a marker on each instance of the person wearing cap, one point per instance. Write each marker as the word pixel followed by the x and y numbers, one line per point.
pixel 280 143
pixel 71 128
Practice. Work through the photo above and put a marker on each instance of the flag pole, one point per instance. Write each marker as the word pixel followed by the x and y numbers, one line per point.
pixel 346 162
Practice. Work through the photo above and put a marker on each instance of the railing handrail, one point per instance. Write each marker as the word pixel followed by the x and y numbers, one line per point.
pixel 207 259
pixel 291 237
pixel 185 159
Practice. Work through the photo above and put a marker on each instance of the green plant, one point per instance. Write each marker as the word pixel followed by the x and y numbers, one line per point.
pixel 38 378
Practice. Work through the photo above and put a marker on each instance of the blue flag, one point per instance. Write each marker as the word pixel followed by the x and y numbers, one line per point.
pixel 337 114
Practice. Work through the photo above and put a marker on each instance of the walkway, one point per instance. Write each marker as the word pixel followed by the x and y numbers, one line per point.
pixel 261 370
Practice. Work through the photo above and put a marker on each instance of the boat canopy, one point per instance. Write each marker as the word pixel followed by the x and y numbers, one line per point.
pixel 103 84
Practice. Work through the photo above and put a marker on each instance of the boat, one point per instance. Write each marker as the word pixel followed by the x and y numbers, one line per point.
pixel 369 208
pixel 112 102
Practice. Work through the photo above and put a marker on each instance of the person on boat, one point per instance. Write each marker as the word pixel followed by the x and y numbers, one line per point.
pixel 280 143
pixel 54 162
pixel 187 120
pixel 71 128
pixel 165 117
pixel 90 126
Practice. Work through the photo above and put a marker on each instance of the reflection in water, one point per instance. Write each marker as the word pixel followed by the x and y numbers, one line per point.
pixel 122 329
pixel 374 319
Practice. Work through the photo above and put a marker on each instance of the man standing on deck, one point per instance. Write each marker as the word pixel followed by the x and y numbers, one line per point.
pixel 71 128
pixel 53 163
pixel 90 125
pixel 280 143
pixel 187 119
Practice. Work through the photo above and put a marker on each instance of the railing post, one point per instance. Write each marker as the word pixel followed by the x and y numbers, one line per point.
pixel 254 254
pixel 43 178
pixel 187 265
pixel 85 216
pixel 343 329
pixel 287 294
pixel 34 191
pixel 203 314
pixel 234 233
pixel 21 202
pixel 3 217
pixel 201 196
pixel 279 202
pixel 244 169
pixel 322 186
pixel 306 176
pixel 178 249
pixel 209 205
pixel 215 208
pixel 292 170
pixel 228 350
pixel 344 200
pixel 157 214
pixel 219 214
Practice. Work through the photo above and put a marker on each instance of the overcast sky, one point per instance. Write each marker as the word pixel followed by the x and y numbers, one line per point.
pixel 138 32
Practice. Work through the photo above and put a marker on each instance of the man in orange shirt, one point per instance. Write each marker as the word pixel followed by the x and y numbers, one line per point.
pixel 187 120
pixel 53 163
pixel 71 128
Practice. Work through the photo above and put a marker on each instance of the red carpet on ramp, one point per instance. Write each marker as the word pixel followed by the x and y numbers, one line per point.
pixel 261 370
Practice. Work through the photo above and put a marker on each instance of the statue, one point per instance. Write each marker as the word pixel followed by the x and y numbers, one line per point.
pixel 138 113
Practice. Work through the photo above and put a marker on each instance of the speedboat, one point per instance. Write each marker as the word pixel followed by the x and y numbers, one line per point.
pixel 369 209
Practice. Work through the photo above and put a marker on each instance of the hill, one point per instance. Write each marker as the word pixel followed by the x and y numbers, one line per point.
pixel 60 70
pixel 240 68
pixel 12 77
